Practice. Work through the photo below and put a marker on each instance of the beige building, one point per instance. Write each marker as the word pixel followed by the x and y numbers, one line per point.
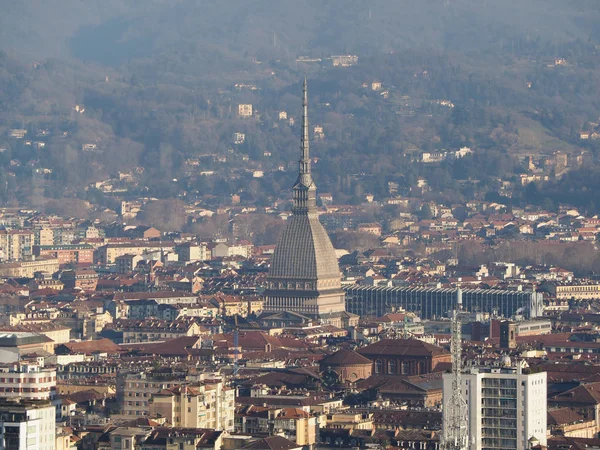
pixel 205 405
pixel 43 236
pixel 107 254
pixel 154 330
pixel 245 110
pixel 26 269
pixel 16 245
pixel 350 421
pixel 296 425
pixel 576 291
pixel 27 381
pixel 135 391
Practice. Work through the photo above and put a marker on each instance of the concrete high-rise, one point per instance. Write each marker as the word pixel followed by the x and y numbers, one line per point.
pixel 506 407
pixel 27 424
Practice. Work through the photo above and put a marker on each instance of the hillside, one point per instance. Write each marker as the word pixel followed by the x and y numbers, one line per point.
pixel 157 80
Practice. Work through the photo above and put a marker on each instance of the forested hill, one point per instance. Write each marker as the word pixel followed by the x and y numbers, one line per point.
pixel 118 31
pixel 158 83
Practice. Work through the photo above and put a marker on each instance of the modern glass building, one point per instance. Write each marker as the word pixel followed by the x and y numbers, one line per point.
pixel 431 303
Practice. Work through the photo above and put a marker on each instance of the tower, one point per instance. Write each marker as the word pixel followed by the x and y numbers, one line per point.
pixel 305 276
pixel 455 431
pixel 506 408
pixel 508 334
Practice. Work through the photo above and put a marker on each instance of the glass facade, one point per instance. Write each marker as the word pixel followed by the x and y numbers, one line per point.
pixel 431 303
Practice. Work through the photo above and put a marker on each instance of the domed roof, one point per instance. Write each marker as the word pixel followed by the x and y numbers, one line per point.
pixel 304 251
pixel 345 357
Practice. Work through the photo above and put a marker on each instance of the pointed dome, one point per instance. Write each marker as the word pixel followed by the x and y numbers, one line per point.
pixel 304 251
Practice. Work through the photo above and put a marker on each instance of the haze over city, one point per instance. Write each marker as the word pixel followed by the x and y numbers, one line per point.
pixel 299 225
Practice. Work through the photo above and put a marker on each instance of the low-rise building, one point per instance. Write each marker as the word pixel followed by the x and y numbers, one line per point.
pixel 27 269
pixel 572 290
pixel 27 381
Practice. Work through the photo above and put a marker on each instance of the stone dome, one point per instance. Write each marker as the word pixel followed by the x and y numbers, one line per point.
pixel 304 252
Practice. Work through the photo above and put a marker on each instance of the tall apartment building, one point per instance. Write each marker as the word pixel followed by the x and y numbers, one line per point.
pixel 506 407
pixel 27 424
pixel 192 252
pixel 27 381
pixel 16 245
pixel 209 404
pixel 136 389
pixel 66 254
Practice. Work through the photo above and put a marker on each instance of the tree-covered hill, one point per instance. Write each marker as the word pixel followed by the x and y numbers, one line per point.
pixel 157 80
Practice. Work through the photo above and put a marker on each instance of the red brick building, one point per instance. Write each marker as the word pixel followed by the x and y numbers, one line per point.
pixel 404 356
pixel 86 279
pixel 67 254
pixel 348 365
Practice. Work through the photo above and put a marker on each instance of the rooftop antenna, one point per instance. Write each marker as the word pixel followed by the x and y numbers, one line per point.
pixel 455 434
pixel 236 353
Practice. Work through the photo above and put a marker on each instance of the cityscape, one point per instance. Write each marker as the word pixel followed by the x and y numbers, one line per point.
pixel 252 232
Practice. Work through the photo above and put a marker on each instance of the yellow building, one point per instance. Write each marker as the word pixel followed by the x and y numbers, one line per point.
pixel 296 425
pixel 15 245
pixel 568 291
pixel 26 269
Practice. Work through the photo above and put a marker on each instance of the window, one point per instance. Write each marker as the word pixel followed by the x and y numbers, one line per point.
pixel 405 368
pixel 393 367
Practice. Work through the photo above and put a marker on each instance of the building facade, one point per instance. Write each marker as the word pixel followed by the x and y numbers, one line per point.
pixel 404 356
pixel 27 269
pixel 506 407
pixel 27 425
pixel 210 404
pixel 430 303
pixel 67 254
pixel 16 245
pixel 27 381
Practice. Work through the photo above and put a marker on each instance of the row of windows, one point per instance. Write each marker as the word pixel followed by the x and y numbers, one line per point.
pixel 28 380
pixel 24 389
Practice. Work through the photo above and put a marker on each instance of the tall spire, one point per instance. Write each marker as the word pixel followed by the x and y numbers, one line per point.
pixel 305 147
pixel 305 198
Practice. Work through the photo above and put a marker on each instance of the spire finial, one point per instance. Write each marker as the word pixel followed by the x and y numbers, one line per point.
pixel 304 189
pixel 305 157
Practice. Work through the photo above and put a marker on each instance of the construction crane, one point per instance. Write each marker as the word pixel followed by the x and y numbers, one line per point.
pixel 456 434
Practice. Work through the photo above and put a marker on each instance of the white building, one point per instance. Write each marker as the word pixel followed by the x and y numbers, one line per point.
pixel 506 407
pixel 245 110
pixel 27 425
pixel 27 381
pixel 239 138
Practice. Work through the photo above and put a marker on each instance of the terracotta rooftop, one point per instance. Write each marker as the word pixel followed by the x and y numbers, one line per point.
pixel 401 347
pixel 272 443
pixel 347 357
